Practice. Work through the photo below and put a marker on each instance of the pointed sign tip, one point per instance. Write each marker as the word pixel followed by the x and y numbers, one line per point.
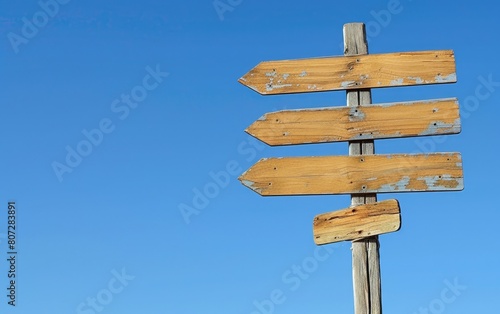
pixel 251 185
pixel 244 82
pixel 252 132
pixel 242 177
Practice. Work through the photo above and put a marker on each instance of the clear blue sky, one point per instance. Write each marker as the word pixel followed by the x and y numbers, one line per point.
pixel 103 232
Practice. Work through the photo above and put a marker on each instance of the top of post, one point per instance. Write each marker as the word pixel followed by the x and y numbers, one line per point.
pixel 355 39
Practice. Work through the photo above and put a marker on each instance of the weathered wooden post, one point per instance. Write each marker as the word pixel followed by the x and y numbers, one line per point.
pixel 361 174
pixel 365 252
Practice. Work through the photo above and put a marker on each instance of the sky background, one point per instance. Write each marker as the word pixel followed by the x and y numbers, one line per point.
pixel 107 234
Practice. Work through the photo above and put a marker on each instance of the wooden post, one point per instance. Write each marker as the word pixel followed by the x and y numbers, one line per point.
pixel 365 253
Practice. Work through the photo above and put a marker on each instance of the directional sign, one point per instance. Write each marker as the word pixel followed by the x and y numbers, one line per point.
pixel 355 174
pixel 357 222
pixel 352 72
pixel 336 124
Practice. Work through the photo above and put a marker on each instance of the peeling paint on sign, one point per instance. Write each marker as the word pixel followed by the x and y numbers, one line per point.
pixel 347 84
pixel 418 80
pixel 276 86
pixel 443 182
pixel 397 186
pixel 398 81
pixel 365 136
pixel 262 118
pixel 356 114
pixel 444 79
pixel 437 127
pixel 250 184
pixel 271 74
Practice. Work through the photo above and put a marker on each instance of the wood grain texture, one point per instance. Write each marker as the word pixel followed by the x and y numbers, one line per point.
pixel 352 72
pixel 357 222
pixel 355 174
pixel 365 253
pixel 374 277
pixel 337 124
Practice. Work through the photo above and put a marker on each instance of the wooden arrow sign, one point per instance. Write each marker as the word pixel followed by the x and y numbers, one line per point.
pixel 357 222
pixel 355 174
pixel 336 124
pixel 352 72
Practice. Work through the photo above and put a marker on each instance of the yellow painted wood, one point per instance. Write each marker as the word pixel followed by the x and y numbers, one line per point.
pixel 352 72
pixel 357 222
pixel 337 124
pixel 355 174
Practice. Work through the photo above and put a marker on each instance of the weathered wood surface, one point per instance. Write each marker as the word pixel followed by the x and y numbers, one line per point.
pixel 355 174
pixel 352 72
pixel 357 222
pixel 337 124
pixel 366 279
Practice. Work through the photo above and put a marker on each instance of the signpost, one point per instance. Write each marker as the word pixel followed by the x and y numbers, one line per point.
pixel 361 174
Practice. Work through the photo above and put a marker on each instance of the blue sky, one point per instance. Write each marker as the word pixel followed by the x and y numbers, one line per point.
pixel 148 92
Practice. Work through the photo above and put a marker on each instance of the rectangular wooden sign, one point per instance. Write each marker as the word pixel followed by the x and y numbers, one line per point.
pixel 357 222
pixel 337 124
pixel 352 72
pixel 355 174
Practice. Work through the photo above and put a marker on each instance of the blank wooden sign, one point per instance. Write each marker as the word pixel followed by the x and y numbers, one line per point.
pixel 355 174
pixel 336 124
pixel 352 72
pixel 357 222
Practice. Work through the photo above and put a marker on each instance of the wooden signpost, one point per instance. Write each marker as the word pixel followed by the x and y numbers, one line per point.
pixel 361 174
